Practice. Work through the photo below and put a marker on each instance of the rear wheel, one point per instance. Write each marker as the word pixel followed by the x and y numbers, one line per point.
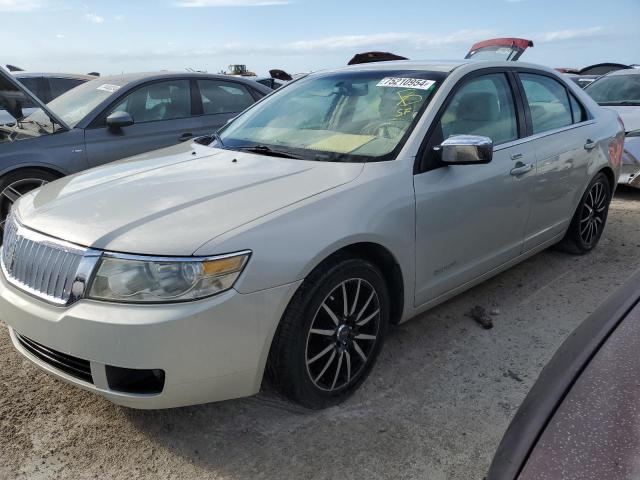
pixel 331 334
pixel 590 217
pixel 15 184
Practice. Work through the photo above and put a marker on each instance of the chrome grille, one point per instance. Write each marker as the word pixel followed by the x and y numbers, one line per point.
pixel 41 265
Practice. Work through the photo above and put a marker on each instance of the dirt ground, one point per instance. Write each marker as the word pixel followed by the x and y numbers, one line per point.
pixel 435 406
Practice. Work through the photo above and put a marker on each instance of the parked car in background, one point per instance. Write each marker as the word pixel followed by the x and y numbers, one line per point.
pixel 585 76
pixel 106 119
pixel 288 242
pixel 580 419
pixel 510 49
pixel 374 56
pixel 277 78
pixel 45 86
pixel 620 91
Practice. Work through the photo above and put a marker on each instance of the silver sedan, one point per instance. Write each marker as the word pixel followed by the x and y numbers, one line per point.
pixel 287 244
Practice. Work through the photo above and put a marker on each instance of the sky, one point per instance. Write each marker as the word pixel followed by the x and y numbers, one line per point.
pixel 303 35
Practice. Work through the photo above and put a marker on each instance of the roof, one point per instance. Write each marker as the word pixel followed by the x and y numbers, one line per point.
pixel 444 66
pixel 21 74
pixel 441 66
pixel 128 78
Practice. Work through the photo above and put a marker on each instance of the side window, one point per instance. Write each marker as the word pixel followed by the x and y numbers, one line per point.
pixel 223 97
pixel 577 110
pixel 548 101
pixel 483 106
pixel 58 86
pixel 158 101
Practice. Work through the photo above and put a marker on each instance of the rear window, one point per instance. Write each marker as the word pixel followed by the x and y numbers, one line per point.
pixel 223 97
pixel 58 86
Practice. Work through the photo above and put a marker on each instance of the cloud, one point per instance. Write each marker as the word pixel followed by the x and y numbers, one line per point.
pixel 93 18
pixel 20 5
pixel 569 34
pixel 416 41
pixel 60 35
pixel 231 3
pixel 311 52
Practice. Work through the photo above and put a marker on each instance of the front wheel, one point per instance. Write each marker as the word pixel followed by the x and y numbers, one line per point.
pixel 330 334
pixel 15 184
pixel 590 217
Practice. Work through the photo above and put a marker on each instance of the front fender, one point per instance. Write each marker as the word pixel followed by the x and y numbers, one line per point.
pixel 378 207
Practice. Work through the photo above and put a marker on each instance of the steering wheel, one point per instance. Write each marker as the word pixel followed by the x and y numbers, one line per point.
pixel 390 129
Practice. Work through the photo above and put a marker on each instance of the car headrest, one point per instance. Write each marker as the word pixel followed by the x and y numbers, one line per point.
pixel 160 91
pixel 478 106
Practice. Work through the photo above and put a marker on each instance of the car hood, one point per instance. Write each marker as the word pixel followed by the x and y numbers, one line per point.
pixel 172 201
pixel 630 116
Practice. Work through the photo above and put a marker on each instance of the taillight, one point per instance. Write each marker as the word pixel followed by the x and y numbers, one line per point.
pixel 616 146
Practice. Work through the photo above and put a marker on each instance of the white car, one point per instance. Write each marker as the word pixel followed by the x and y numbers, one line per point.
pixel 287 243
pixel 620 91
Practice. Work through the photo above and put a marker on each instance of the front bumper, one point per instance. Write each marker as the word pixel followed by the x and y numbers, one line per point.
pixel 210 350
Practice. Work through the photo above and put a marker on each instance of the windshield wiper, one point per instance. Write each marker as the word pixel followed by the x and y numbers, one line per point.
pixel 267 150
pixel 41 126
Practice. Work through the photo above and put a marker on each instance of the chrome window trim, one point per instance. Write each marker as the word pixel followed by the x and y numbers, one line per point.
pixel 540 135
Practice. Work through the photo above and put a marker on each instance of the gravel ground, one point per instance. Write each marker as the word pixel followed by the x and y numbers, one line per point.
pixel 435 406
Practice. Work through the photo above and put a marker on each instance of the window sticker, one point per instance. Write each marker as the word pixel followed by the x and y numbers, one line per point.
pixel 398 82
pixel 408 100
pixel 108 88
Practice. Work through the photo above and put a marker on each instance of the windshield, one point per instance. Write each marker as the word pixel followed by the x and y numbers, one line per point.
pixel 75 104
pixel 616 90
pixel 350 116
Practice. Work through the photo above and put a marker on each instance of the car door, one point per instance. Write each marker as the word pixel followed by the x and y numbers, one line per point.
pixel 471 219
pixel 561 135
pixel 162 115
pixel 220 102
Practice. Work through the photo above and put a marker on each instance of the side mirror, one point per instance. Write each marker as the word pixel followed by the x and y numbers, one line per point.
pixel 119 120
pixel 466 150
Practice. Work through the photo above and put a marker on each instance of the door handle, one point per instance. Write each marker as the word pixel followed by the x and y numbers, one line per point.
pixel 516 156
pixel 185 136
pixel 521 169
pixel 590 145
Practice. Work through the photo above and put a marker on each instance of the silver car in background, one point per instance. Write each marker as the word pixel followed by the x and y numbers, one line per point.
pixel 620 91
pixel 288 243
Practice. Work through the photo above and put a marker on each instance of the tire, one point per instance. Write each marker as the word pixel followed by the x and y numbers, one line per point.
pixel 17 183
pixel 590 218
pixel 323 367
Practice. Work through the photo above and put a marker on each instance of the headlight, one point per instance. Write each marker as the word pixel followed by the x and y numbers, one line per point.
pixel 122 278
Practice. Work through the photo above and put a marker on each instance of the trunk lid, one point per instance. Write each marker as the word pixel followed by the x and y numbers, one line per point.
pixel 499 49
